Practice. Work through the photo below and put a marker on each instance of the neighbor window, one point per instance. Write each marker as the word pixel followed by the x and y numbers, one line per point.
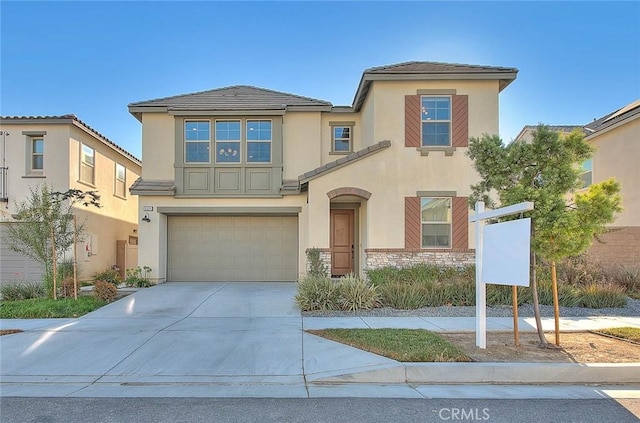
pixel 341 136
pixel 121 176
pixel 258 141
pixel 436 222
pixel 87 164
pixel 227 141
pixel 196 141
pixel 37 154
pixel 436 121
pixel 587 173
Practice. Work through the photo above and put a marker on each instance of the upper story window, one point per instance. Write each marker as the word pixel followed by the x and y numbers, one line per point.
pixel 228 141
pixel 37 154
pixel 121 181
pixel 341 139
pixel 436 222
pixel 436 121
pixel 259 136
pixel 87 164
pixel 197 140
pixel 586 174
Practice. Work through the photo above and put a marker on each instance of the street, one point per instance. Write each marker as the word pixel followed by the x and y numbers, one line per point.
pixel 352 410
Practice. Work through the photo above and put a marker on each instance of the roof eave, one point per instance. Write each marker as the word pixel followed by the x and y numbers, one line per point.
pixel 504 78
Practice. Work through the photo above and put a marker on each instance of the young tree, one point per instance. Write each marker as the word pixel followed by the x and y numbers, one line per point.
pixel 44 224
pixel 546 171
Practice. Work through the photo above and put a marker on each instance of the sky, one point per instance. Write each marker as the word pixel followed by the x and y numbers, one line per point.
pixel 577 61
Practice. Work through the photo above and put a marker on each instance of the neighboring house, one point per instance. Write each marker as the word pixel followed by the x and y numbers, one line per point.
pixel 65 153
pixel 239 182
pixel 616 139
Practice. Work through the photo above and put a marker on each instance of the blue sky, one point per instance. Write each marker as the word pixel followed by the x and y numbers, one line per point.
pixel 577 60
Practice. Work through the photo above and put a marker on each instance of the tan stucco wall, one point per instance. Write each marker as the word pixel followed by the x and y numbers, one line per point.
pixel 617 155
pixel 301 133
pixel 158 146
pixel 115 220
pixel 384 214
pixel 389 100
pixel 152 250
pixel 327 130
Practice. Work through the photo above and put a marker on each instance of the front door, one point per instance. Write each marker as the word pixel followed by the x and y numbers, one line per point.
pixel 342 252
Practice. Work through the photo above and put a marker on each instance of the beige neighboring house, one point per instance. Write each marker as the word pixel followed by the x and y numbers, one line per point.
pixel 616 138
pixel 239 182
pixel 66 153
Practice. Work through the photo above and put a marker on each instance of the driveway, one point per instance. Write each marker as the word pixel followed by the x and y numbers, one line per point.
pixel 225 336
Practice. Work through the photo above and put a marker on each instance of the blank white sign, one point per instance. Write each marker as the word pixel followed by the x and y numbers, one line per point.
pixel 506 253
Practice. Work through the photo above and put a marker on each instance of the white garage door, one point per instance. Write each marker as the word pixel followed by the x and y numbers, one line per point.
pixel 15 267
pixel 232 248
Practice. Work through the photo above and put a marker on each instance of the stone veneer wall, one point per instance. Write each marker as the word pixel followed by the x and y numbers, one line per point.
pixel 401 258
pixel 325 257
pixel 618 246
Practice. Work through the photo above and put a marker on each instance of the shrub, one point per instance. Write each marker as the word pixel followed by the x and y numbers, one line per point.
pixel 105 291
pixel 21 291
pixel 629 278
pixel 67 288
pixel 357 294
pixel 384 275
pixel 594 296
pixel 110 275
pixel 317 293
pixel 316 265
pixel 404 296
pixel 138 277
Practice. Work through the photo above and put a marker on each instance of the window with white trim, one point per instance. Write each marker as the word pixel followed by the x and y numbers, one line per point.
pixel 586 174
pixel 121 180
pixel 37 154
pixel 341 137
pixel 197 139
pixel 258 141
pixel 87 164
pixel 435 216
pixel 227 135
pixel 436 120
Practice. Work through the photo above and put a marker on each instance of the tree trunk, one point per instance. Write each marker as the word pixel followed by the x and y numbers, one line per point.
pixel 556 304
pixel 534 292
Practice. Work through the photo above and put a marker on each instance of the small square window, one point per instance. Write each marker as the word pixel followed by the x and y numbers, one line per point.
pixel 196 141
pixel 341 139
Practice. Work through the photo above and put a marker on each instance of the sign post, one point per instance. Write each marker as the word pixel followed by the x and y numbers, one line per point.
pixel 502 257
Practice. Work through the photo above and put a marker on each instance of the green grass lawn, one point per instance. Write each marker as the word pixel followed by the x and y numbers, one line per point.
pixel 632 334
pixel 407 345
pixel 44 308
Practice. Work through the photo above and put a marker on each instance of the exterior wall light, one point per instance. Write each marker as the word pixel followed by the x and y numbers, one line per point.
pixel 146 218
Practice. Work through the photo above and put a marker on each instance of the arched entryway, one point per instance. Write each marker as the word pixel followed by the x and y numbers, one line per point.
pixel 345 229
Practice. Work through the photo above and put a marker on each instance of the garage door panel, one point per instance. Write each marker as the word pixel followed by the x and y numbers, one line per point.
pixel 232 248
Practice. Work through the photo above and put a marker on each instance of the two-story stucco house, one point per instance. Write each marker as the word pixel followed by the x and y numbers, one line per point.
pixel 239 182
pixel 616 140
pixel 65 153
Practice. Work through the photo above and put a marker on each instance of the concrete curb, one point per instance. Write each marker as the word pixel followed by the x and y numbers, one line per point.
pixel 505 373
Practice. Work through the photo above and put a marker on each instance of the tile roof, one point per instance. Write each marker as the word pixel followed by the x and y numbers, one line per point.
pixel 437 68
pixel 623 113
pixel 237 97
pixel 566 129
pixel 430 71
pixel 71 119
pixel 343 161
pixel 142 187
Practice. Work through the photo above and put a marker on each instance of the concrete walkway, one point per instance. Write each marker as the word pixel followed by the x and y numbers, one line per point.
pixel 235 340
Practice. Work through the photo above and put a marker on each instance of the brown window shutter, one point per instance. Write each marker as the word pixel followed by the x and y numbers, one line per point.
pixel 412 129
pixel 460 223
pixel 460 121
pixel 412 223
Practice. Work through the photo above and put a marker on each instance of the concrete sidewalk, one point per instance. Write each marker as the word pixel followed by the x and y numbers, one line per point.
pixel 248 340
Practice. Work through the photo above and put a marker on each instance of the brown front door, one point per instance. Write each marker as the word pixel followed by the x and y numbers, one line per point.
pixel 341 242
